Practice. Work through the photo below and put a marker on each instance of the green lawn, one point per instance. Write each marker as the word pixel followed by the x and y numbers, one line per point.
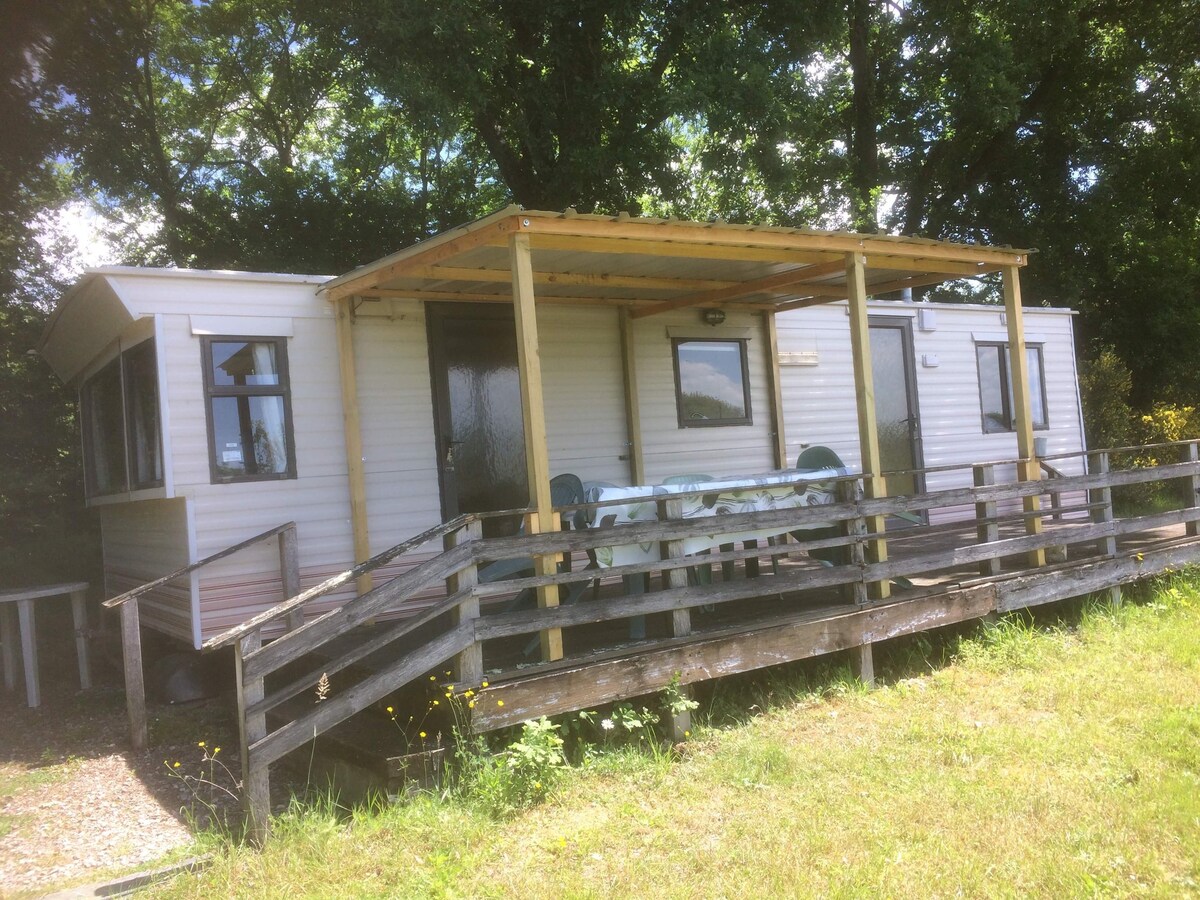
pixel 1060 761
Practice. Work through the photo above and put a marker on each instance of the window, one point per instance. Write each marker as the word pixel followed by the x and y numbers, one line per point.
pixel 711 382
pixel 121 436
pixel 995 387
pixel 249 409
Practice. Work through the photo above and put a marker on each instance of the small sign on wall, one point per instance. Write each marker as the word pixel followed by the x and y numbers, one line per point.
pixel 798 358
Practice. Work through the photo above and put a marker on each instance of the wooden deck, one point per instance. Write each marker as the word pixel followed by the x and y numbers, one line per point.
pixel 845 578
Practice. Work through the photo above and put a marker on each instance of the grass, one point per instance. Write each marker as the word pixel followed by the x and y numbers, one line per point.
pixel 1046 760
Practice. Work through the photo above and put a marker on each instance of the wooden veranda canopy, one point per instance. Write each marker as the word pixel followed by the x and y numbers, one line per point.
pixel 649 266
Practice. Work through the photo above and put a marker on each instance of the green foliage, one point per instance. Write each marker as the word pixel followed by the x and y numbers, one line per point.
pixel 505 782
pixel 1168 422
pixel 1105 383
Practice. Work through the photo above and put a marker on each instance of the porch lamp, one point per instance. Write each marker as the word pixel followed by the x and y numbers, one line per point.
pixel 713 316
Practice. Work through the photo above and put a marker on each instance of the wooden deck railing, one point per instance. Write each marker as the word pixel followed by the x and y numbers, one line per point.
pixel 467 622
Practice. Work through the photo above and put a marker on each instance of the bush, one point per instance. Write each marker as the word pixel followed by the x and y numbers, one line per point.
pixel 1104 386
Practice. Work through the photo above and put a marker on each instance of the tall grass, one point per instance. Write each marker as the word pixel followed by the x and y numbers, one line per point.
pixel 1055 754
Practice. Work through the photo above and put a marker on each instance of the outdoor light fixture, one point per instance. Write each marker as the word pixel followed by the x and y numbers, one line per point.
pixel 713 316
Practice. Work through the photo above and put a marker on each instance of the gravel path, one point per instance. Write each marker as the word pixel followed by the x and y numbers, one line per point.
pixel 76 804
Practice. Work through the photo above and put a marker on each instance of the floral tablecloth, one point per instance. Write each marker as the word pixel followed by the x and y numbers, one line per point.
pixel 723 496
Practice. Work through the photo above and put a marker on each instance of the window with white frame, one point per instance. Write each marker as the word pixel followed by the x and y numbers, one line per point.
pixel 995 386
pixel 249 406
pixel 122 437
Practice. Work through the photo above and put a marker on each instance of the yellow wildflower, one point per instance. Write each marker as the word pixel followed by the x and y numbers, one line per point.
pixel 201 744
pixel 471 704
pixel 433 678
pixel 435 703
pixel 390 710
pixel 422 734
pixel 216 750
pixel 499 702
pixel 485 684
pixel 176 765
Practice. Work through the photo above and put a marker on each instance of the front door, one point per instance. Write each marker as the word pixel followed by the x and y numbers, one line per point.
pixel 477 407
pixel 896 407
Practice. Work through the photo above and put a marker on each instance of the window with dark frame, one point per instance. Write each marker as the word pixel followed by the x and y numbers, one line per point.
pixel 712 383
pixel 995 387
pixel 122 440
pixel 249 408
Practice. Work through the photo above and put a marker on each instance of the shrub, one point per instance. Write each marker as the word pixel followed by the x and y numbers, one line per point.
pixel 1104 386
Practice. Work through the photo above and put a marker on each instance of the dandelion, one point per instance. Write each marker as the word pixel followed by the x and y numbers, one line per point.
pixel 607 724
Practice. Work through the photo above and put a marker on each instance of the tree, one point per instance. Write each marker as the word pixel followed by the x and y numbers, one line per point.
pixel 44 534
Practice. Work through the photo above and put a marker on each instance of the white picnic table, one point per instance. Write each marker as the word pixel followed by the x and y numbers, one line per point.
pixel 719 497
pixel 23 599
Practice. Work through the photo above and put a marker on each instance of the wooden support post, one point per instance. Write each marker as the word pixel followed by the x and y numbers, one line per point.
pixel 533 411
pixel 1098 464
pixel 633 415
pixel 1193 499
pixel 79 619
pixel 256 779
pixel 26 615
pixel 874 485
pixel 8 644
pixel 856 528
pixel 989 529
pixel 352 430
pixel 289 573
pixel 1028 469
pixel 135 685
pixel 775 389
pixel 681 619
pixel 469 665
pixel 863 659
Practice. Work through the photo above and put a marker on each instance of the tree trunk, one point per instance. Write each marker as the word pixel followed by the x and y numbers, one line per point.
pixel 864 150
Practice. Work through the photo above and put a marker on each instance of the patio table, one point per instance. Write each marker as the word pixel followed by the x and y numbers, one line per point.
pixel 722 496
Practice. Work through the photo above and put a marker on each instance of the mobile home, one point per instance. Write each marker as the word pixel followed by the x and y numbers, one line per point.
pixel 217 405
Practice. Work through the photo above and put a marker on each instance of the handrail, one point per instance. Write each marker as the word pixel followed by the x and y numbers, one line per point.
pixel 192 567
pixel 281 609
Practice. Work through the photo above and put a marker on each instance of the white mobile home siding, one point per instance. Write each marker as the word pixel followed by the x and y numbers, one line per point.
pixel 237 587
pixel 671 450
pixel 819 405
pixel 143 541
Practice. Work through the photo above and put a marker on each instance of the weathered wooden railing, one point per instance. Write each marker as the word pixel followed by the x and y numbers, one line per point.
pixel 468 625
pixel 131 633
